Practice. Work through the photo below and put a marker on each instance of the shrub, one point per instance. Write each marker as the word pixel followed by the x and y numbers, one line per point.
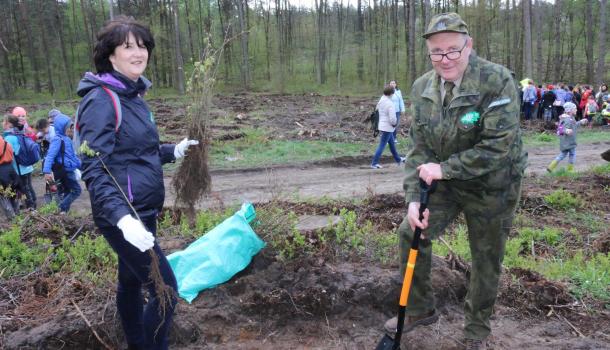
pixel 562 199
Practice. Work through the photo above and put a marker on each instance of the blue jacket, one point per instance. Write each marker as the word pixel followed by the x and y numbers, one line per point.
pixel 132 153
pixel 9 136
pixel 54 154
pixel 399 103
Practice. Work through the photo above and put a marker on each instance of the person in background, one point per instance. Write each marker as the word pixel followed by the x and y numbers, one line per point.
pixel 399 107
pixel 529 99
pixel 9 180
pixel 387 125
pixel 22 114
pixel 591 109
pixel 61 164
pixel 548 99
pixel 13 130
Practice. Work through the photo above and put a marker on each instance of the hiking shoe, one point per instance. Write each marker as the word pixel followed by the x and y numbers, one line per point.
pixel 411 322
pixel 376 166
pixel 475 344
pixel 403 159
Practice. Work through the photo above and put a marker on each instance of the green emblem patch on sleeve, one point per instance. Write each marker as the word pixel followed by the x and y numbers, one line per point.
pixel 470 118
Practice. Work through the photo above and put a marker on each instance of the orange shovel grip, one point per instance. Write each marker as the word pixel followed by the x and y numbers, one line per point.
pixel 406 284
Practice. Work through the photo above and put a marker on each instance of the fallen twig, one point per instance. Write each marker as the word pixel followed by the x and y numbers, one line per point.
pixel 90 326
pixel 77 233
pixel 571 325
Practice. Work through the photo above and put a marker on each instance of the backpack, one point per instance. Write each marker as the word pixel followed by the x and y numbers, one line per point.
pixel 374 120
pixel 118 114
pixel 6 152
pixel 29 151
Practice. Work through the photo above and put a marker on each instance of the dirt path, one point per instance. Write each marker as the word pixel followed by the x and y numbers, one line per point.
pixel 351 178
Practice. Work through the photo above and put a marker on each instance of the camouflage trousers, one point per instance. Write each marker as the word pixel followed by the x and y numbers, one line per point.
pixel 489 217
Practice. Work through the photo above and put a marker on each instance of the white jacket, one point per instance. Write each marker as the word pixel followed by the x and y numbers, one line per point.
pixel 387 114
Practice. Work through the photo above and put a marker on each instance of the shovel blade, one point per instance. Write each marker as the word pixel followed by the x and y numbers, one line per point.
pixel 387 343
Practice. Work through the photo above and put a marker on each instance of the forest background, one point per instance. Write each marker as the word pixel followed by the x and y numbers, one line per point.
pixel 338 47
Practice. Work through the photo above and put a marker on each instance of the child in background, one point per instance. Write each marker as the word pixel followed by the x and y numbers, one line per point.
pixel 22 114
pixel 62 165
pixel 566 130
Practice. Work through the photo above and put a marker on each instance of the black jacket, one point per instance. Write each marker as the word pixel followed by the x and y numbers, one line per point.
pixel 131 154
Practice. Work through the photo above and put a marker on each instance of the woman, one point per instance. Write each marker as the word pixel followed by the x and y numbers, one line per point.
pixel 128 151
pixel 387 125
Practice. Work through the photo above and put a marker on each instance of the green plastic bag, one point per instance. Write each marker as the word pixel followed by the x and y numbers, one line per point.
pixel 216 256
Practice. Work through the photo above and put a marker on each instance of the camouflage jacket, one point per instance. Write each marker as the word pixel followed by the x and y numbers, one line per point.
pixel 476 139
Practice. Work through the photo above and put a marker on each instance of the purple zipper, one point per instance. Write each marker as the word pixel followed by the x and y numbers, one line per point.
pixel 129 188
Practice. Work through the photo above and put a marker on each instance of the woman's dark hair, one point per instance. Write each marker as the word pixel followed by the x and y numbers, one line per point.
pixel 13 120
pixel 114 34
pixel 42 123
pixel 388 90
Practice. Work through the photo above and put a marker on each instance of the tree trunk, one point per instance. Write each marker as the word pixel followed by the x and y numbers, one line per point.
pixel 190 32
pixel 601 59
pixel 45 46
pixel 412 30
pixel 64 55
pixel 177 49
pixel 527 38
pixel 321 52
pixel 539 38
pixel 86 29
pixel 589 23
pixel 360 42
pixel 30 45
pixel 110 9
pixel 242 9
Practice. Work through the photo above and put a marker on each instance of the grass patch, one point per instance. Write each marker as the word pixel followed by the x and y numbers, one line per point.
pixel 548 138
pixel 601 169
pixel 563 200
pixel 257 149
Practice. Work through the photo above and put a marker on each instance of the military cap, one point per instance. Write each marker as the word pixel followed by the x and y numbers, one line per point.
pixel 446 22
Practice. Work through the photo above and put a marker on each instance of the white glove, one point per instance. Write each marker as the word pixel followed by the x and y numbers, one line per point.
pixel 181 148
pixel 78 174
pixel 135 233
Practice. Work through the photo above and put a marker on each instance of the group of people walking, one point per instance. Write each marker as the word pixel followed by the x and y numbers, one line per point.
pixel 48 145
pixel 546 102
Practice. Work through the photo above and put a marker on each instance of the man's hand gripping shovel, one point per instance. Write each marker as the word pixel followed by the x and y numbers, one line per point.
pixel 387 342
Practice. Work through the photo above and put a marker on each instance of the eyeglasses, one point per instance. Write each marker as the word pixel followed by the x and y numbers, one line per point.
pixel 451 55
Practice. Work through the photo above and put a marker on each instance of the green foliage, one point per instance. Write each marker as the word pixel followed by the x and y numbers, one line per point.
pixel 544 137
pixel 457 240
pixel 49 208
pixel 563 200
pixel 16 257
pixel 206 220
pixel 384 246
pixel 588 275
pixel 277 226
pixel 349 234
pixel 89 257
pixel 602 169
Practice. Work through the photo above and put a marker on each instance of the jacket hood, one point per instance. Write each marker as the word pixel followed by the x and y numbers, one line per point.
pixel 61 122
pixel 114 81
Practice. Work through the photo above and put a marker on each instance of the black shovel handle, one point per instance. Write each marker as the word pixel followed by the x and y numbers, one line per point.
pixel 425 191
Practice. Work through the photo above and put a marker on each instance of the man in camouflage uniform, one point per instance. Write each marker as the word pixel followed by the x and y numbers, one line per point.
pixel 465 135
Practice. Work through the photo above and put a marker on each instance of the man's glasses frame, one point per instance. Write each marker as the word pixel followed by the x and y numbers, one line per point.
pixel 451 55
